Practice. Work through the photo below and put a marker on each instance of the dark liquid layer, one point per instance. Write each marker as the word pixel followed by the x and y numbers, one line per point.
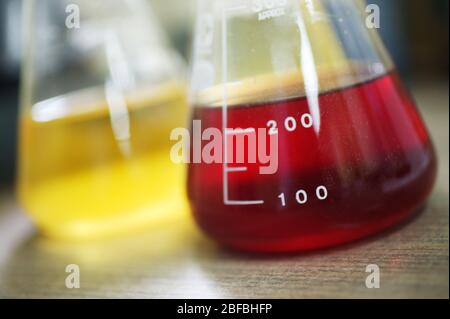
pixel 366 166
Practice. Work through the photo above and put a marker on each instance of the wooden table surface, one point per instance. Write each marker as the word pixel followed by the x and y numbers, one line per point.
pixel 179 262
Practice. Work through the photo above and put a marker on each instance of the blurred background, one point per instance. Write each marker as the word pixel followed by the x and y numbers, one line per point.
pixel 413 31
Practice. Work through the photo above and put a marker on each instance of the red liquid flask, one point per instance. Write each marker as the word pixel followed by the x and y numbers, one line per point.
pixel 353 155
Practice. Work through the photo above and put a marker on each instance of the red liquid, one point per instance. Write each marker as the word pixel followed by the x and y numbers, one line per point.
pixel 372 153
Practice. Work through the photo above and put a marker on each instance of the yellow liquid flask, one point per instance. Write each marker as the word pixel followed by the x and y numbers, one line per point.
pixel 100 95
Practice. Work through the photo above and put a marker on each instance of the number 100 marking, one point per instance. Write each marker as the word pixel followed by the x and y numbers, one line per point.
pixel 301 196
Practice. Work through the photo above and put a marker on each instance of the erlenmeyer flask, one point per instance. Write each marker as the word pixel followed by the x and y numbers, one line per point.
pixel 100 94
pixel 352 155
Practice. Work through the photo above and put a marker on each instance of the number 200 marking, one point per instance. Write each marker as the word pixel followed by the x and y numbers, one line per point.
pixel 290 124
pixel 301 196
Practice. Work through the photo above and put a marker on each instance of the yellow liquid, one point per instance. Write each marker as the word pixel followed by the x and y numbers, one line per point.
pixel 98 168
